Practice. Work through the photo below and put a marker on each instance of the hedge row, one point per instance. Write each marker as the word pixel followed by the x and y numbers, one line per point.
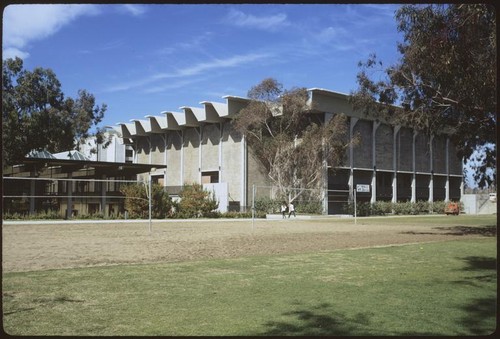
pixel 398 208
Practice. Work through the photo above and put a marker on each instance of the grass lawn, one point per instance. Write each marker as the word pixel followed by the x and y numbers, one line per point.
pixel 445 288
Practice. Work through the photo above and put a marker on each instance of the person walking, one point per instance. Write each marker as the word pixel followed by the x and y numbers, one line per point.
pixel 291 209
pixel 283 209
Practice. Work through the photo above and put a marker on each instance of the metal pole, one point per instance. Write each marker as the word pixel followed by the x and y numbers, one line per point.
pixel 253 206
pixel 150 203
pixel 355 208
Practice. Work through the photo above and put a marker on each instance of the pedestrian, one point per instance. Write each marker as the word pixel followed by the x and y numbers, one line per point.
pixel 291 209
pixel 283 209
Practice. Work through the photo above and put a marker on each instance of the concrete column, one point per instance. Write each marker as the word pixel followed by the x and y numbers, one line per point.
pixel 414 188
pixel 394 187
pixel 325 178
pixel 431 188
pixel 447 189
pixel 395 164
pixel 414 175
pixel 373 199
pixel 181 133
pixel 221 126
pixel 165 158
pixel 351 185
pixel 374 186
pixel 200 136
pixel 351 157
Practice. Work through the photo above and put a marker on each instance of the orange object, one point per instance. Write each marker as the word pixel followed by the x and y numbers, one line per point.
pixel 452 208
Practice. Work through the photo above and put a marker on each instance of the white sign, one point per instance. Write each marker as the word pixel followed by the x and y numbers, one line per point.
pixel 362 188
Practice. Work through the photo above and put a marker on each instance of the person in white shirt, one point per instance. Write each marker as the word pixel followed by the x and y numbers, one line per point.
pixel 283 210
pixel 291 209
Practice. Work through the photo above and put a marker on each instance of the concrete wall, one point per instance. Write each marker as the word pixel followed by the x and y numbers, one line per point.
pixel 478 204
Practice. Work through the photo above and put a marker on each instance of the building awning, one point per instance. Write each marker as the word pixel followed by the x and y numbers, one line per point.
pixel 44 167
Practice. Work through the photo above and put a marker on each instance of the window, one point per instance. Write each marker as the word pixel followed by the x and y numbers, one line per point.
pixel 210 177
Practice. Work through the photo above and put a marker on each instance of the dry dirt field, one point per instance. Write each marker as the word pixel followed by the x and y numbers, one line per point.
pixel 42 246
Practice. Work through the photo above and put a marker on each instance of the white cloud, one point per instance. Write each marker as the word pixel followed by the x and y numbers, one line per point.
pixel 23 24
pixel 12 52
pixel 194 70
pixel 135 10
pixel 271 22
pixel 195 43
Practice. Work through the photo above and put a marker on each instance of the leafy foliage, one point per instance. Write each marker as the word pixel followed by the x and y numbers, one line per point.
pixel 292 142
pixel 36 115
pixel 445 80
pixel 137 201
pixel 398 208
pixel 196 202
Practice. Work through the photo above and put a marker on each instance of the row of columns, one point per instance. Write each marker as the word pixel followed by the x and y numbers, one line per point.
pixel 396 130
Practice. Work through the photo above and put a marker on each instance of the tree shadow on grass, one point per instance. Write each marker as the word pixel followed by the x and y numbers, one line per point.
pixel 481 316
pixel 481 312
pixel 486 231
pixel 322 320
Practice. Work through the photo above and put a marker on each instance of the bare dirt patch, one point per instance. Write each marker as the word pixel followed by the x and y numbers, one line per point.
pixel 29 247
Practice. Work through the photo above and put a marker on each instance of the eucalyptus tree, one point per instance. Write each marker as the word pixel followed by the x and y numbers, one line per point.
pixel 292 141
pixel 37 115
pixel 445 79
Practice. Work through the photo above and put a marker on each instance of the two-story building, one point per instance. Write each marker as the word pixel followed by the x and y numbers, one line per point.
pixel 199 144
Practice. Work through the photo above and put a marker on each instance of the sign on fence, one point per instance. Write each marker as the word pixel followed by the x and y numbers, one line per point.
pixel 360 188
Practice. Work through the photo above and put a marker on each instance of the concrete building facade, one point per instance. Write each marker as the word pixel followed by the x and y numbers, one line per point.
pixel 115 150
pixel 198 144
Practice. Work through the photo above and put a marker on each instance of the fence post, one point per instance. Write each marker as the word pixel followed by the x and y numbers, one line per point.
pixel 253 206
pixel 150 202
pixel 355 207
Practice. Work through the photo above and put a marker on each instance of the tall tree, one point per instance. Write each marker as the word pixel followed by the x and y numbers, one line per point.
pixel 36 115
pixel 291 141
pixel 445 79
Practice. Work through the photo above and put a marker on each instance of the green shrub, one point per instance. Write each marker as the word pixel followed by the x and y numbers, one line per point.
pixel 267 205
pixel 195 202
pixel 381 208
pixel 309 207
pixel 438 207
pixel 421 207
pixel 137 202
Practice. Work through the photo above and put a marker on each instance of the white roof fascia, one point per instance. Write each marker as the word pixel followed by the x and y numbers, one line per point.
pixel 190 119
pixel 142 127
pixel 157 123
pixel 316 89
pixel 172 122
pixel 215 109
pixel 235 104
pixel 180 118
pixel 194 115
pixel 126 129
pixel 235 97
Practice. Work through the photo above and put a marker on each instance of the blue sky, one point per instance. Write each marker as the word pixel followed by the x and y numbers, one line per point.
pixel 144 59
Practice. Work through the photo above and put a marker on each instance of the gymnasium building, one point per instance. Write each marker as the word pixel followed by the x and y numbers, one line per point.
pixel 199 145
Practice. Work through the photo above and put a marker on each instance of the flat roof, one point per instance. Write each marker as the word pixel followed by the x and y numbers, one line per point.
pixel 68 166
